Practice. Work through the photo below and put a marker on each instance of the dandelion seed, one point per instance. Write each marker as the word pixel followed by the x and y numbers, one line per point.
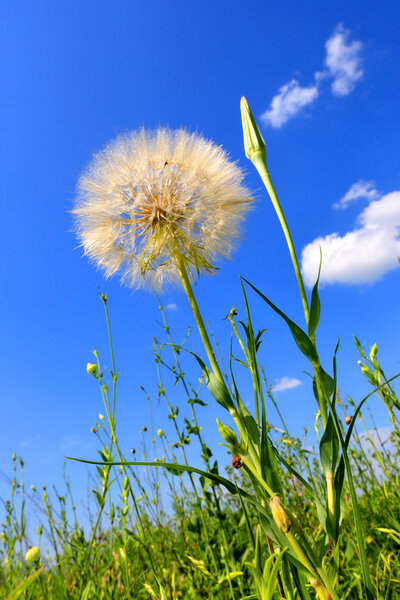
pixel 150 197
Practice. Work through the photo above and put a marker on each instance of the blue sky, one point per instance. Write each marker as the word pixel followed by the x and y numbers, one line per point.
pixel 322 81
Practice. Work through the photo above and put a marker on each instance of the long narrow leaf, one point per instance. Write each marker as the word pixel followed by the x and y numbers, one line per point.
pixel 300 337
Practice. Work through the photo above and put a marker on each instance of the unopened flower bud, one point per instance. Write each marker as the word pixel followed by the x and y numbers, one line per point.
pixel 32 555
pixel 91 368
pixel 227 434
pixel 374 352
pixel 281 518
pixel 253 140
pixel 160 433
pixel 101 417
pixel 93 429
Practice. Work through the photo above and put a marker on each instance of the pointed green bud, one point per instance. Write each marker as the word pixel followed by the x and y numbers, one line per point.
pixel 374 352
pixel 253 140
pixel 227 434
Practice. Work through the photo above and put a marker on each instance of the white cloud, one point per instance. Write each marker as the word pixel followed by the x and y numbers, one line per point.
pixel 286 383
pixel 361 189
pixel 171 306
pixel 360 256
pixel 343 64
pixel 290 100
pixel 343 61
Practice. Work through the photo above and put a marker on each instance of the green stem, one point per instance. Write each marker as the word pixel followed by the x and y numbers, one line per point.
pixel 197 315
pixel 258 160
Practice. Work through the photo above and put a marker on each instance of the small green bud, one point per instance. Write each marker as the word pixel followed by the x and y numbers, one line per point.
pixel 160 433
pixel 32 555
pixel 126 483
pixel 253 140
pixel 374 352
pixel 91 368
pixel 101 417
pixel 227 434
pixel 365 369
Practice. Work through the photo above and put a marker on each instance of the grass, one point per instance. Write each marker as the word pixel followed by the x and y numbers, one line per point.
pixel 158 533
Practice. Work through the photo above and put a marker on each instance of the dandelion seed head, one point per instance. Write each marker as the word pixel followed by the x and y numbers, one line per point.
pixel 149 195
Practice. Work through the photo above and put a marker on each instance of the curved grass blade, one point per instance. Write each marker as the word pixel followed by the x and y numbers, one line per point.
pixel 300 337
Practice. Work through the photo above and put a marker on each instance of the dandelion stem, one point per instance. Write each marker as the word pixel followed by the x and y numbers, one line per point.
pixel 197 315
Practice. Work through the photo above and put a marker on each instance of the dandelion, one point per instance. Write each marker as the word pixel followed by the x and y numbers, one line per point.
pixel 153 203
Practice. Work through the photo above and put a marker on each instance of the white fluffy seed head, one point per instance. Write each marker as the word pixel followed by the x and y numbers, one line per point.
pixel 150 195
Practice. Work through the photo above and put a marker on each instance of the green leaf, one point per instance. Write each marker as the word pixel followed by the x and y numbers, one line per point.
pixel 315 308
pixel 20 589
pixel 270 576
pixel 217 388
pixel 300 337
pixel 89 592
pixel 329 446
pixel 269 465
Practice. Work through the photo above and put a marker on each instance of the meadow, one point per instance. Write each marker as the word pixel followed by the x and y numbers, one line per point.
pixel 288 518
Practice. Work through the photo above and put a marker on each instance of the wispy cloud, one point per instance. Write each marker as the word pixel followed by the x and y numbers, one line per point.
pixel 362 255
pixel 360 189
pixel 289 101
pixel 286 383
pixel 342 64
pixel 343 61
pixel 70 441
pixel 171 306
